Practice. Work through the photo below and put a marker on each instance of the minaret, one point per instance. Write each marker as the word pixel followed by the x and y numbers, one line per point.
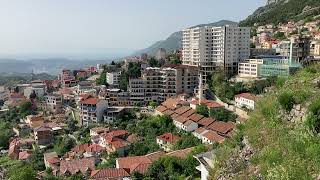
pixel 291 51
pixel 200 88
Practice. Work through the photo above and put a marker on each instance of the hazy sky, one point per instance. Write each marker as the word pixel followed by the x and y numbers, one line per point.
pixel 91 26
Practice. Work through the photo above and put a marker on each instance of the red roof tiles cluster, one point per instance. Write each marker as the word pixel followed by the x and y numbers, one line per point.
pixel 213 136
pixel 109 173
pixel 90 101
pixel 168 137
pixel 77 165
pixel 247 96
pixel 141 163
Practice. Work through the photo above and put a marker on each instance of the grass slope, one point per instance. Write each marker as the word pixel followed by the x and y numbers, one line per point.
pixel 283 150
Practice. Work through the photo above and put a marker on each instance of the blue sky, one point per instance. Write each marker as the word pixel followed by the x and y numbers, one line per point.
pixel 98 26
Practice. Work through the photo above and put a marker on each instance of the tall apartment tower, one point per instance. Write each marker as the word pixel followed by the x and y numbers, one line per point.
pixel 211 48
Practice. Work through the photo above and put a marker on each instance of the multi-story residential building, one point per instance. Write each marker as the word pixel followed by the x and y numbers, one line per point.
pixel 43 135
pixel 300 48
pixel 161 54
pixel 92 110
pixel 137 91
pixel 54 103
pixel 85 87
pixel 315 48
pixel 158 84
pixel 113 78
pixel 37 87
pixel 67 78
pixel 249 68
pixel 211 48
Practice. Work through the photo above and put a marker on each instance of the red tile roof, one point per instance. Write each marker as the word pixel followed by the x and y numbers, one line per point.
pixel 222 127
pixel 180 119
pixel 174 115
pixel 206 121
pixel 95 148
pixel 161 108
pixel 80 148
pixel 213 136
pixel 109 173
pixel 247 96
pixel 168 112
pixel 135 163
pixel 90 101
pixel 180 153
pixel 77 165
pixel 139 163
pixel 208 103
pixel 168 137
pixel 53 160
pixel 200 130
pixel 188 113
pixel 24 155
pixel 133 138
pixel 196 117
pixel 182 110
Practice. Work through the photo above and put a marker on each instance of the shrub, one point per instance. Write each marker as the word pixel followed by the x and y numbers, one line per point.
pixel 286 100
pixel 313 119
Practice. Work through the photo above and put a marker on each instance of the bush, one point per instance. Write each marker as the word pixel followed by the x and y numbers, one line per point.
pixel 313 119
pixel 286 100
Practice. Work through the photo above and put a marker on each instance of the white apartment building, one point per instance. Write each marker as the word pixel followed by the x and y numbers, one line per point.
pixel 211 47
pixel 245 100
pixel 92 110
pixel 249 68
pixel 113 78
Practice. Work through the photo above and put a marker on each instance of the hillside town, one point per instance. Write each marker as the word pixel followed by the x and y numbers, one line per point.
pixel 121 120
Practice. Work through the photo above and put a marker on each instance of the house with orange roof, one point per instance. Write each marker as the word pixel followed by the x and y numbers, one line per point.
pixel 34 120
pixel 142 163
pixel 52 161
pixel 115 141
pixel 110 174
pixel 24 155
pixel 210 137
pixel 185 124
pixel 247 100
pixel 222 128
pixel 71 167
pixel 198 133
pixel 166 141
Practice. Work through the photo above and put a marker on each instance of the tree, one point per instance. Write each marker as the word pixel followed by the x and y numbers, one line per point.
pixel 153 62
pixel 23 173
pixel 63 145
pixel 280 36
pixel 102 80
pixel 203 110
pixel 153 104
pixel 186 141
pixel 222 114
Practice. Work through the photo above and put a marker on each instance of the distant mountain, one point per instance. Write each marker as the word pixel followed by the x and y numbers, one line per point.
pixel 277 11
pixel 50 66
pixel 173 42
